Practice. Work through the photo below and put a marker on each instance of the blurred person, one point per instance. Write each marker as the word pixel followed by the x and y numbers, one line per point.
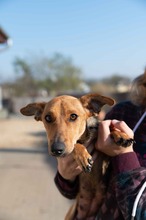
pixel 128 174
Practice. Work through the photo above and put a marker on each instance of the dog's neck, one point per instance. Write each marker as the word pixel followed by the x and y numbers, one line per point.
pixel 90 132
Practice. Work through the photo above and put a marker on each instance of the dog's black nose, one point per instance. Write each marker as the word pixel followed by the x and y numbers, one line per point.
pixel 57 149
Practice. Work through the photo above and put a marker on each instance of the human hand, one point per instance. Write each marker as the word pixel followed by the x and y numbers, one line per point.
pixel 68 167
pixel 104 142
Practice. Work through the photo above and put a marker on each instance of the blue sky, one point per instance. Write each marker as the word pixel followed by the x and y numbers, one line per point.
pixel 103 37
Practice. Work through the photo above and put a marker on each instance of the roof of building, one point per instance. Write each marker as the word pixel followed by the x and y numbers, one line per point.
pixel 5 40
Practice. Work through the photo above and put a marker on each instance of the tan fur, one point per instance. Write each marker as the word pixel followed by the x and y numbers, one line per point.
pixel 71 123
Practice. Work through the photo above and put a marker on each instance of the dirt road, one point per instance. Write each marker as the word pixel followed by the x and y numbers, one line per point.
pixel 27 189
pixel 18 132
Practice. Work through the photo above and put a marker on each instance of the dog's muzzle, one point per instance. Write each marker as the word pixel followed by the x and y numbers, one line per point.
pixel 57 149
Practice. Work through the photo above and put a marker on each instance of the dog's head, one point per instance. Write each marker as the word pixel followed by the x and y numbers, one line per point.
pixel 65 118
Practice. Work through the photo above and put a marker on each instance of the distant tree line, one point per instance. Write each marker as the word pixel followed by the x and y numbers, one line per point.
pixel 51 74
pixel 41 74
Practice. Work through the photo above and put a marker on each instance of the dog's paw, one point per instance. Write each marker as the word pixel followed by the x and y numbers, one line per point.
pixel 83 158
pixel 122 139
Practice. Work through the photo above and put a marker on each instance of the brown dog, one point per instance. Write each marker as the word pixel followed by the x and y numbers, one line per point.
pixel 70 123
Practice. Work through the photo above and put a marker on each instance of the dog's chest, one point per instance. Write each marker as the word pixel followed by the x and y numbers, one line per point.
pixel 93 182
pixel 91 192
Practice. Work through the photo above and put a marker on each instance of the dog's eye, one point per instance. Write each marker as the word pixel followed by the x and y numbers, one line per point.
pixel 48 118
pixel 73 117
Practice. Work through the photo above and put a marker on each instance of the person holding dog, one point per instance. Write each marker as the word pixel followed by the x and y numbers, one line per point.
pixel 128 164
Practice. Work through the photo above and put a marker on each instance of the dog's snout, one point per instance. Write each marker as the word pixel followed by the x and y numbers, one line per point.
pixel 57 149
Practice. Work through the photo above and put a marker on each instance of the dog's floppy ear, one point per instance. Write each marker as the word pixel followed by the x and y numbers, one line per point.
pixel 94 102
pixel 35 109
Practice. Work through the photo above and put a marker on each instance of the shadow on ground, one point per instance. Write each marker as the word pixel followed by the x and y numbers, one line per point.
pixel 38 149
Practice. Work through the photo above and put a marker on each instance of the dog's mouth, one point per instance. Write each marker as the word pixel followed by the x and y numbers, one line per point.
pixel 58 154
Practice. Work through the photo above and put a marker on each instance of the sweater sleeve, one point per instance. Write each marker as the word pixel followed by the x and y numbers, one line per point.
pixel 67 189
pixel 128 179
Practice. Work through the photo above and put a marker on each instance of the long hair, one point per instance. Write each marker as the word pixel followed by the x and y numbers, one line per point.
pixel 138 90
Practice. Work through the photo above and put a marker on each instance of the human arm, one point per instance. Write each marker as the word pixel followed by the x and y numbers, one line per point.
pixel 66 178
pixel 128 176
pixel 128 179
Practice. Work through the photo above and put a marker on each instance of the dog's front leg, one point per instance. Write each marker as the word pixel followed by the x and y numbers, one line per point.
pixel 82 157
